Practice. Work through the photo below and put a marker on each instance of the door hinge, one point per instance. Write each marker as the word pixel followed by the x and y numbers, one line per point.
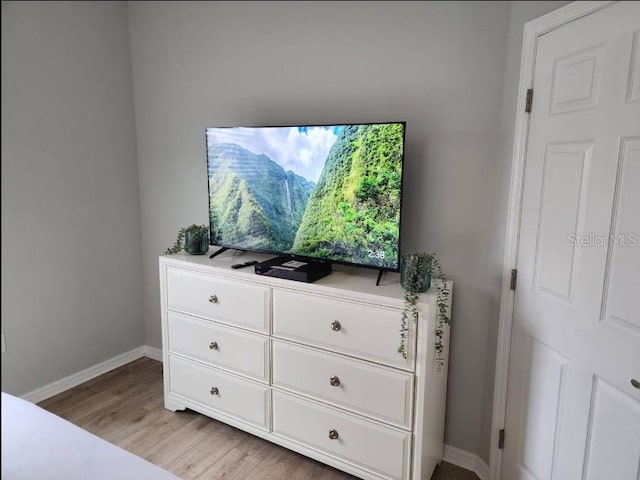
pixel 514 279
pixel 529 101
pixel 501 439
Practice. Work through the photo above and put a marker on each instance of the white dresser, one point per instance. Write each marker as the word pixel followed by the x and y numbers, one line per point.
pixel 311 367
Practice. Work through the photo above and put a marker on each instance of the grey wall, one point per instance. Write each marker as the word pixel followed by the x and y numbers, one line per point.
pixel 437 65
pixel 71 258
pixel 71 229
pixel 520 12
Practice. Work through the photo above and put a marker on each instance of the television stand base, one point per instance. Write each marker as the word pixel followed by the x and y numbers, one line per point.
pixel 218 252
pixel 380 274
pixel 222 250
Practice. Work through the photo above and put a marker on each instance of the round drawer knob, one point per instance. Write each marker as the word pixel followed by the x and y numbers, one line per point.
pixel 214 391
pixel 335 326
pixel 334 381
pixel 333 434
pixel 213 345
pixel 213 299
pixel 635 383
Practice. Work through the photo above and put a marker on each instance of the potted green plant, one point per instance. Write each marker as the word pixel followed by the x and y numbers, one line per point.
pixel 417 270
pixel 193 239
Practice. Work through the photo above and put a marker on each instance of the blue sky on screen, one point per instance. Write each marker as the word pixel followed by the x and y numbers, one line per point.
pixel 301 149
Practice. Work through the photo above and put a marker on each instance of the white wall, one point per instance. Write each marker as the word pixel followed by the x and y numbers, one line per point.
pixel 71 258
pixel 437 65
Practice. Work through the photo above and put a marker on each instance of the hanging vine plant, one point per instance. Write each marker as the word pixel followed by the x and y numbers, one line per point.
pixel 417 270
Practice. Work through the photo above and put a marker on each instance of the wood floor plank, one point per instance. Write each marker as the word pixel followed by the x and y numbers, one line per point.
pixel 172 446
pixel 154 429
pixel 251 456
pixel 69 399
pixel 126 407
pixel 86 405
pixel 215 444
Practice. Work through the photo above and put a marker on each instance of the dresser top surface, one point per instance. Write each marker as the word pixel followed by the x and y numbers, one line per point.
pixel 343 278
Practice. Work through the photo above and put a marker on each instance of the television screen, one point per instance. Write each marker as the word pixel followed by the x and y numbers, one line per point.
pixel 329 192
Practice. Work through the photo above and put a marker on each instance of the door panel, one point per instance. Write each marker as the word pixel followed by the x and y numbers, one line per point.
pixel 633 90
pixel 562 198
pixel 620 306
pixel 614 434
pixel 576 80
pixel 547 371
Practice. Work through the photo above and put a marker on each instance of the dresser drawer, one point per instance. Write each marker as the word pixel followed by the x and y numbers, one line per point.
pixel 240 351
pixel 374 447
pixel 231 395
pixel 243 304
pixel 366 331
pixel 369 389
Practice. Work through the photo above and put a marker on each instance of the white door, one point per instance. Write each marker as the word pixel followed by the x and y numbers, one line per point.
pixel 573 404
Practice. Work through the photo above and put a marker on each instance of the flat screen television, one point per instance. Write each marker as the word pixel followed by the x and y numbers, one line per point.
pixel 323 192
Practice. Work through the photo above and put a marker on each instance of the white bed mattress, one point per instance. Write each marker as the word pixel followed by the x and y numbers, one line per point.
pixel 37 444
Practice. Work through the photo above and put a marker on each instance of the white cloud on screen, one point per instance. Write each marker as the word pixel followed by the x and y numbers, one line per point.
pixel 304 152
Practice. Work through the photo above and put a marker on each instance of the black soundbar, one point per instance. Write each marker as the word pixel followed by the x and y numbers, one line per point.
pixel 293 269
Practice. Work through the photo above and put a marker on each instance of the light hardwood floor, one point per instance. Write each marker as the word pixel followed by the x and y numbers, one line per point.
pixel 125 407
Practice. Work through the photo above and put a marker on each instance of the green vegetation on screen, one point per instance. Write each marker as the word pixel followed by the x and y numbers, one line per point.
pixel 351 214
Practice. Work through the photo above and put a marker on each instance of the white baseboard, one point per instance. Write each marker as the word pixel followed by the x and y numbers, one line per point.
pixel 54 388
pixel 467 460
pixel 153 353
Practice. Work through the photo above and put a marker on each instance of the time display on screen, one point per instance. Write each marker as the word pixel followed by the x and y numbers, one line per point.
pixel 379 254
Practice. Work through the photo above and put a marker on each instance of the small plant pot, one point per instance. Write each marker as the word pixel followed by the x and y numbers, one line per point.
pixel 196 243
pixel 415 277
